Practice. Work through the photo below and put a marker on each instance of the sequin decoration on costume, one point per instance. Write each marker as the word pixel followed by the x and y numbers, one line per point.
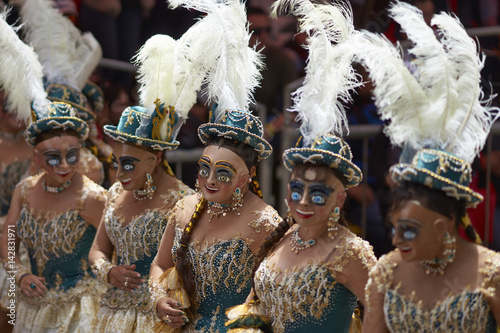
pixel 309 298
pixel 221 270
pixel 58 246
pixel 267 218
pixel 135 243
pixel 465 312
pixel 55 240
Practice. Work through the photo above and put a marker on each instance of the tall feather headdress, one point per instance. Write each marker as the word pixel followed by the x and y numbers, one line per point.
pixel 22 79
pixel 21 74
pixel 327 85
pixel 329 74
pixel 441 105
pixel 233 66
pixel 437 113
pixel 67 55
pixel 233 72
pixel 171 73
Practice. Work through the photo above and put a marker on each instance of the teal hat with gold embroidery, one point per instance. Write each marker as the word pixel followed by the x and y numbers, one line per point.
pixel 138 126
pixel 436 110
pixel 319 102
pixel 328 150
pixel 439 170
pixel 73 97
pixel 54 116
pixel 67 55
pixel 237 125
pixel 94 95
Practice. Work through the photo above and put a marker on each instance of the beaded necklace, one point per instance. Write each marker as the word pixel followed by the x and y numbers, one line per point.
pixel 53 189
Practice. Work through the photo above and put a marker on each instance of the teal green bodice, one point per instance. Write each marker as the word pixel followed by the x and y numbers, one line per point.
pixel 222 275
pixel 466 311
pixel 137 243
pixel 306 299
pixel 58 249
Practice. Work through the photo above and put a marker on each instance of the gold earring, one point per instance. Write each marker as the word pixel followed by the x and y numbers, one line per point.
pixel 332 223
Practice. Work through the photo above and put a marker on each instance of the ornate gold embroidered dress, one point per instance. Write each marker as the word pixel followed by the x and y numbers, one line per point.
pixel 466 312
pixel 58 245
pixel 221 270
pixel 10 175
pixel 308 298
pixel 136 243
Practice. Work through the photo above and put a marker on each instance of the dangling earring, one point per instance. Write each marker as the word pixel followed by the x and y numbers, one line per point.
pixel 197 185
pixel 332 223
pixel 237 195
pixel 288 217
pixel 436 266
pixel 149 189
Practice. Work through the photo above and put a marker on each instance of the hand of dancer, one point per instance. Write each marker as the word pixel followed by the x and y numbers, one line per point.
pixel 33 286
pixel 168 310
pixel 125 277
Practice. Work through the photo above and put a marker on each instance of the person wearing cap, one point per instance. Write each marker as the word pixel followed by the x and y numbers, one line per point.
pixel 136 216
pixel 211 241
pixel 68 59
pixel 312 270
pixel 89 165
pixel 55 214
pixel 142 199
pixel 435 280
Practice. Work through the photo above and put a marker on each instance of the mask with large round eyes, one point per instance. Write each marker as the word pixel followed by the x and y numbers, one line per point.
pixel 127 163
pixel 53 161
pixel 54 158
pixel 296 190
pixel 72 157
pixel 204 164
pixel 224 175
pixel 319 194
pixel 405 231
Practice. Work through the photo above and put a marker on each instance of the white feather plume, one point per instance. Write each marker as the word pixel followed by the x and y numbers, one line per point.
pixel 233 66
pixel 468 126
pixel 395 88
pixel 329 74
pixel 21 74
pixel 87 54
pixel 438 106
pixel 156 60
pixel 50 34
pixel 67 56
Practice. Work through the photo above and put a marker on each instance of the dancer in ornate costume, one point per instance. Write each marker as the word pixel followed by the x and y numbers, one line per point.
pixel 15 161
pixel 68 57
pixel 204 262
pixel 312 270
pixel 55 213
pixel 434 281
pixel 141 203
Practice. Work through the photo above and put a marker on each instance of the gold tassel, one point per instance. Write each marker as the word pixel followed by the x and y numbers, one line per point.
pixel 167 168
pixel 247 318
pixel 356 324
pixel 466 223
pixel 170 279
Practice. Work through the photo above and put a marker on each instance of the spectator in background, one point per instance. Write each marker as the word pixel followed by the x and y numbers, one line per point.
pixel 278 72
pixel 362 112
pixel 116 24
